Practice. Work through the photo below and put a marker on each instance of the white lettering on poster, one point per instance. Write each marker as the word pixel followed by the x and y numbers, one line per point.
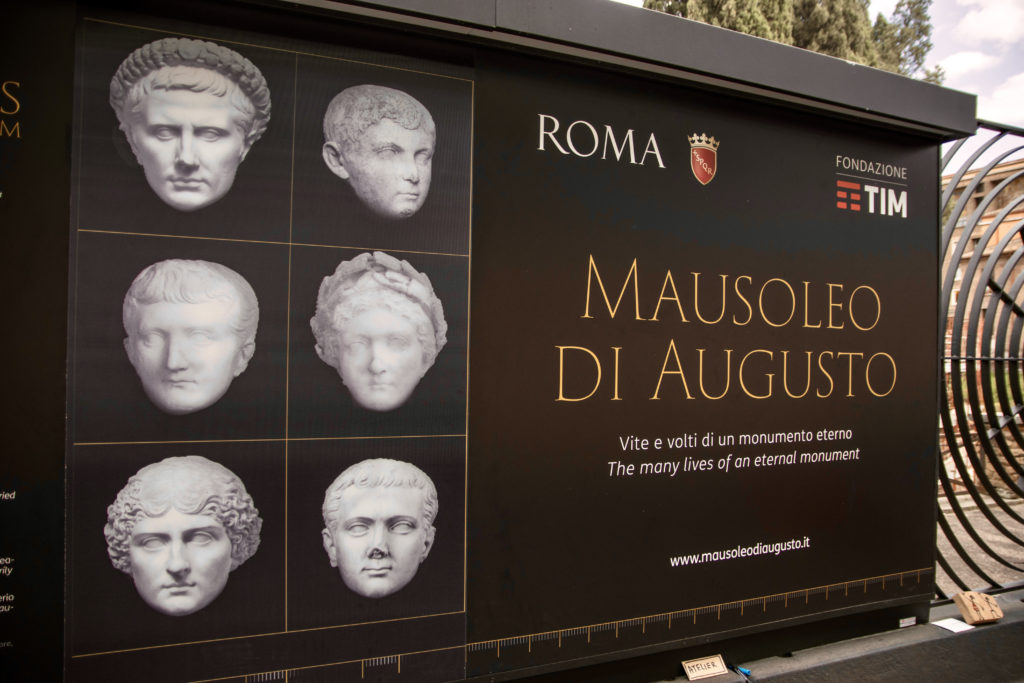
pixel 583 139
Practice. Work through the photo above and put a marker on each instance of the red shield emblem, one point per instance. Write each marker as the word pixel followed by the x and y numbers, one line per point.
pixel 703 157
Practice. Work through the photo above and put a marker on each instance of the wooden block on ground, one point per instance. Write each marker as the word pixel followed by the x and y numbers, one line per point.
pixel 977 608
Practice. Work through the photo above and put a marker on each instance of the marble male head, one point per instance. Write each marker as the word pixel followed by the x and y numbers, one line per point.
pixel 191 110
pixel 191 329
pixel 379 525
pixel 381 141
pixel 380 325
pixel 178 528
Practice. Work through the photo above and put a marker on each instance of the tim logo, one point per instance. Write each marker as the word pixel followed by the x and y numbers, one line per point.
pixel 883 201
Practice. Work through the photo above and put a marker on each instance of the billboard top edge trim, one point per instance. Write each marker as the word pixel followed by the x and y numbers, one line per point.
pixel 688 52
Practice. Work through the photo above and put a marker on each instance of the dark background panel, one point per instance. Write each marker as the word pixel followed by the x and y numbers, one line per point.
pixel 317 597
pixel 326 211
pixel 321 406
pixel 34 182
pixel 112 191
pixel 105 612
pixel 769 213
pixel 109 403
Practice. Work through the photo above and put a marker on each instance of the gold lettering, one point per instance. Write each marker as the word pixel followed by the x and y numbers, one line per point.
pixel 11 132
pixel 631 276
pixel 750 310
pixel 696 300
pixel 832 304
pixel 792 299
pixel 867 374
pixel 700 374
pixel 678 371
pixel 769 375
pixel 807 307
pixel 785 375
pixel 615 389
pixel 825 372
pixel 878 308
pixel 849 369
pixel 669 282
pixel 17 105
pixel 561 372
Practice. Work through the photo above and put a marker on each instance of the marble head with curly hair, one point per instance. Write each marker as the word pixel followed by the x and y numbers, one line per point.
pixel 381 142
pixel 178 527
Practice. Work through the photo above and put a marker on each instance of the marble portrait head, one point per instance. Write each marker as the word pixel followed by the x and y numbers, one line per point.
pixel 379 525
pixel 380 325
pixel 191 110
pixel 191 329
pixel 381 141
pixel 179 527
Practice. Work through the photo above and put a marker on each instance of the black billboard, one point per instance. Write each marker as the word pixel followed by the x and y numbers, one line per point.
pixel 430 365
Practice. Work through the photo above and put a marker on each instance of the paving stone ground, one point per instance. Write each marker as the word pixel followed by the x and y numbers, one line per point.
pixel 997 540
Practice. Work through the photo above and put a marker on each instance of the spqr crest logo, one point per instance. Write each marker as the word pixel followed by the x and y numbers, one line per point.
pixel 703 157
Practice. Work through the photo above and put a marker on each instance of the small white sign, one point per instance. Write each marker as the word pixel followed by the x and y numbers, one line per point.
pixel 954 625
pixel 705 667
pixel 908 621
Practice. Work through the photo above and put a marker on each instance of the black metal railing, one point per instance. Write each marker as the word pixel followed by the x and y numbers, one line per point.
pixel 981 475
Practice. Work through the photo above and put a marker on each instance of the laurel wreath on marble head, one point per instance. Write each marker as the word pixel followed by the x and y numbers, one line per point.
pixel 169 52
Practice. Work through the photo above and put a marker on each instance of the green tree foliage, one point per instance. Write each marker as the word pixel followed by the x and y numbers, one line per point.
pixel 904 40
pixel 771 19
pixel 840 28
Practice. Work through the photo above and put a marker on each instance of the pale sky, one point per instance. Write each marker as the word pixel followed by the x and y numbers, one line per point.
pixel 980 44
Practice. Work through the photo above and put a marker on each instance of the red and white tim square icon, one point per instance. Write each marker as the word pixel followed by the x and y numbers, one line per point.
pixel 847 195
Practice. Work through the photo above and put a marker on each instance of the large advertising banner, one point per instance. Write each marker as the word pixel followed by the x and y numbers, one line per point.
pixel 396 365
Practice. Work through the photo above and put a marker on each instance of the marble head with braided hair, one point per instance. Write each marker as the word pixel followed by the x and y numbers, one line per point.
pixel 191 110
pixel 380 325
pixel 179 527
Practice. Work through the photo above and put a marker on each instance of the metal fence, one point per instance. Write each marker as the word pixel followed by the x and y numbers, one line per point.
pixel 981 477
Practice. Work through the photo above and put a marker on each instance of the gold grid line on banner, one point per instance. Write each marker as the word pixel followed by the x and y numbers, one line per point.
pixel 288 333
pixel 289 243
pixel 690 614
pixel 469 335
pixel 280 439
